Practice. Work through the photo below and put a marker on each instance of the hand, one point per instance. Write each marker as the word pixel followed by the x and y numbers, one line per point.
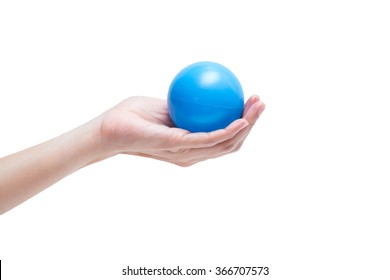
pixel 137 126
pixel 142 126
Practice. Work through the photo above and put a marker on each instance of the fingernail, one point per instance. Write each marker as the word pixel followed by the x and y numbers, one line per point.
pixel 256 98
pixel 262 108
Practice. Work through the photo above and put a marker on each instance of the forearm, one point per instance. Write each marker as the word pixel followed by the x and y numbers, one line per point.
pixel 28 172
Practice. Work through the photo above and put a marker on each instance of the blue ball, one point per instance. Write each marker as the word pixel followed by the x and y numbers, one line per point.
pixel 205 96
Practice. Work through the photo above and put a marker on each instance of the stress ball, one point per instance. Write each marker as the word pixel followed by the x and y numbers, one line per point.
pixel 205 96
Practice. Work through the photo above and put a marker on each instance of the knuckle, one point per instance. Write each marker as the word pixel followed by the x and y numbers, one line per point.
pixel 238 147
pixel 229 148
pixel 184 164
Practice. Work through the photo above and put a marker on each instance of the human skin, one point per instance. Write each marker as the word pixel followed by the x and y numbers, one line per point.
pixel 138 126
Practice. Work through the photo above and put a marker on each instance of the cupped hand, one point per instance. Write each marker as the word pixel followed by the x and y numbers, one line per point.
pixel 142 126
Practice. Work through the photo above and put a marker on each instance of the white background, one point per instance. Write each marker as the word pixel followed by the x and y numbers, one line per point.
pixel 307 195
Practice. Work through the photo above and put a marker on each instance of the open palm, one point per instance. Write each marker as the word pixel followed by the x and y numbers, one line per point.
pixel 142 126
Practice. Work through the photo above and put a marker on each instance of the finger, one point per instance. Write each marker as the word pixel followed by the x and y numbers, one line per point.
pixel 252 100
pixel 235 143
pixel 209 139
pixel 252 116
pixel 194 155
pixel 254 112
pixel 201 146
pixel 196 147
pixel 191 155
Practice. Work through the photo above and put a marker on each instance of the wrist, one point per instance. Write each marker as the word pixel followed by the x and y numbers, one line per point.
pixel 93 144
